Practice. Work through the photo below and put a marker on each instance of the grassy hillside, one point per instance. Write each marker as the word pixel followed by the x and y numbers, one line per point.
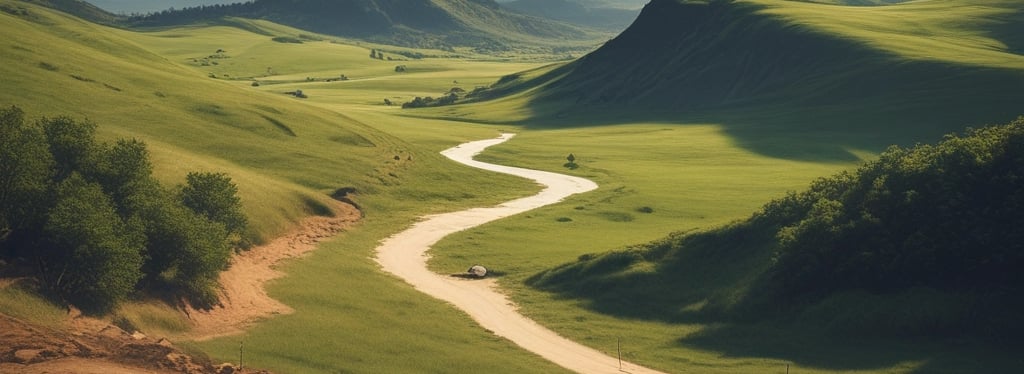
pixel 656 176
pixel 918 246
pixel 286 157
pixel 81 9
pixel 447 24
pixel 924 68
pixel 710 109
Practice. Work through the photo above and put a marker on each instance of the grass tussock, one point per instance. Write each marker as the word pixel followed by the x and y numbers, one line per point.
pixel 22 301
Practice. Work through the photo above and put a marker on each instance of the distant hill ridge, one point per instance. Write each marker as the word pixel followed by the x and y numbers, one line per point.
pixel 79 8
pixel 589 13
pixel 421 23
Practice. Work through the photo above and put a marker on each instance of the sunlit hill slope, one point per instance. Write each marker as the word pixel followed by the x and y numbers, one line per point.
pixel 285 156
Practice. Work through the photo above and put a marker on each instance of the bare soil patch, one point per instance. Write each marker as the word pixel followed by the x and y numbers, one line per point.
pixel 243 296
pixel 89 345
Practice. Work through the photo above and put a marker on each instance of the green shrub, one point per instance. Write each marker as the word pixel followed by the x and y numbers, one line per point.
pixel 287 39
pixel 96 222
pixel 93 259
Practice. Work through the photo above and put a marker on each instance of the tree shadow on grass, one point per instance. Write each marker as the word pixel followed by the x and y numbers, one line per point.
pixel 817 350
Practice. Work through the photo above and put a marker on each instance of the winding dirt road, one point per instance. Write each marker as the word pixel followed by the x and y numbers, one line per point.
pixel 404 255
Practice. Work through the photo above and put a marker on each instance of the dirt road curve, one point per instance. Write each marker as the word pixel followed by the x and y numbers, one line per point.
pixel 404 255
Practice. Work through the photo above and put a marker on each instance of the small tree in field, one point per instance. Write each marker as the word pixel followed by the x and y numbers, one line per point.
pixel 572 162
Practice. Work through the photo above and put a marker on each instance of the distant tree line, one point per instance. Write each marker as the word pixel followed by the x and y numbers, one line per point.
pixel 449 98
pixel 423 102
pixel 96 226
pixel 174 16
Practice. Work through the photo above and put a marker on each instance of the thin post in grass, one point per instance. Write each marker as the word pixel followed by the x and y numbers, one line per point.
pixel 618 346
pixel 241 344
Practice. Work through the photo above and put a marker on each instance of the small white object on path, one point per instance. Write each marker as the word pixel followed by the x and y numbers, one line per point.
pixel 404 255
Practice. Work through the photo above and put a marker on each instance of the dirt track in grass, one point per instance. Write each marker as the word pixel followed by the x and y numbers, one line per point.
pixel 405 255
pixel 243 296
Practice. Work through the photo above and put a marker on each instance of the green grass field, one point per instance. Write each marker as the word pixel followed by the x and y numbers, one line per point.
pixel 287 154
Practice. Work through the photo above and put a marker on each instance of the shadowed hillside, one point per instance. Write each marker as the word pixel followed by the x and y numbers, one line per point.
pixel 577 12
pixel 924 68
pixel 482 24
pixel 78 8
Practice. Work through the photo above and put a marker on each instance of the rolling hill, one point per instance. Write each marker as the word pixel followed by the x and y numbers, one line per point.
pixel 928 67
pixel 482 24
pixel 81 9
pixel 286 157
pixel 590 14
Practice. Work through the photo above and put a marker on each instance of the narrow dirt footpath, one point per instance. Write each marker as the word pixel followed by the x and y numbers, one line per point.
pixel 404 255
pixel 243 296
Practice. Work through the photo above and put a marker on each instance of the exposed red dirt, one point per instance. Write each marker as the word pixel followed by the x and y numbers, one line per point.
pixel 243 296
pixel 87 345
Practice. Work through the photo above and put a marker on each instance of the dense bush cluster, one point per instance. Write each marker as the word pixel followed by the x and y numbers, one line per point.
pixel 946 217
pixel 424 102
pixel 90 217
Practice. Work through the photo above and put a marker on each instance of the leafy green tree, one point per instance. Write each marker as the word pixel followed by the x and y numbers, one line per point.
pixel 184 250
pixel 25 172
pixel 125 172
pixel 72 144
pixel 203 256
pixel 215 196
pixel 92 258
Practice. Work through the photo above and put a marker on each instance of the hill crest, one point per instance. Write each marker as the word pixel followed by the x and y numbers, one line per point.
pixel 441 24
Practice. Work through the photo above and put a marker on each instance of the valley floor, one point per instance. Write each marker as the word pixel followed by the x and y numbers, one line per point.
pixel 404 255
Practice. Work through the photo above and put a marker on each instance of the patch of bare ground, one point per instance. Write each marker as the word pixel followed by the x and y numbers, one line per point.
pixel 88 346
pixel 244 300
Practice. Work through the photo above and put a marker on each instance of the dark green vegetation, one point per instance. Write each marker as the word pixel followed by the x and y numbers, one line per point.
pixel 587 13
pixel 922 243
pixel 95 224
pixel 441 24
